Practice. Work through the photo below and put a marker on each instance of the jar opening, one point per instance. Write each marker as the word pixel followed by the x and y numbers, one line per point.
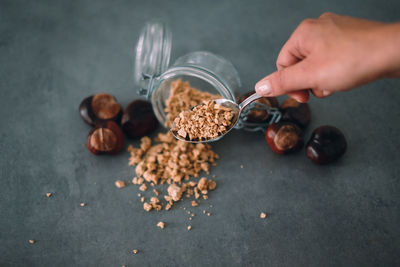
pixel 197 78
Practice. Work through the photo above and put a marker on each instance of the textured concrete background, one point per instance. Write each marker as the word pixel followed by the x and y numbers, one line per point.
pixel 55 53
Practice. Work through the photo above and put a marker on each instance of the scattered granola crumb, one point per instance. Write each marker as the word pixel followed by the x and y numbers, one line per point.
pixel 49 194
pixel 204 211
pixel 168 206
pixel 161 225
pixel 190 218
pixel 139 180
pixel 139 195
pixel 208 214
pixel 175 192
pixel 83 204
pixel 143 187
pixel 189 227
pixel 135 251
pixel 241 166
pixel 193 214
pixel 194 204
pixel 192 183
pixel 263 215
pixel 202 184
pixel 205 196
pixel 214 176
pixel 142 199
pixel 211 185
pixel 154 200
pixel 190 192
pixel 156 192
pixel 147 206
pixel 120 184
pixel 31 241
pixel 130 148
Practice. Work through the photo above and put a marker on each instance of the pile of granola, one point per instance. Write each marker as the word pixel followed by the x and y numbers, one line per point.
pixel 203 122
pixel 166 160
pixel 170 161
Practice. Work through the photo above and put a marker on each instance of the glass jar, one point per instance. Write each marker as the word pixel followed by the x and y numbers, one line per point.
pixel 203 70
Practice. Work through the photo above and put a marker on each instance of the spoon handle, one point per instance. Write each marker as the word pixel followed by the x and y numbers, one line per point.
pixel 248 100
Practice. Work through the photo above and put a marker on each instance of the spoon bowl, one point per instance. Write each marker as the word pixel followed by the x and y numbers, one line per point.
pixel 236 110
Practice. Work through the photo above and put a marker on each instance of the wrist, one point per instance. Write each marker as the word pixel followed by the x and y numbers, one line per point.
pixel 390 51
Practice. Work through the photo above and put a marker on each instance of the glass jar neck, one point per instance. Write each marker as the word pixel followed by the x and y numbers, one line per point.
pixel 218 83
pixel 158 91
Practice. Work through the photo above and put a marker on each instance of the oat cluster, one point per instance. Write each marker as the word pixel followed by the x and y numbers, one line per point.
pixel 183 97
pixel 206 121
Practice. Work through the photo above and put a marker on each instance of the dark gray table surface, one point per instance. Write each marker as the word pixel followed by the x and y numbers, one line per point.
pixel 55 53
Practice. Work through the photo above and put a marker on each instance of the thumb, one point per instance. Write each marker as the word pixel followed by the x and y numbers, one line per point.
pixel 293 78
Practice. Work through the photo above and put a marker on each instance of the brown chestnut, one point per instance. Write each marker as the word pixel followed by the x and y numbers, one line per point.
pixel 106 138
pixel 100 108
pixel 284 137
pixel 296 112
pixel 327 144
pixel 260 115
pixel 138 119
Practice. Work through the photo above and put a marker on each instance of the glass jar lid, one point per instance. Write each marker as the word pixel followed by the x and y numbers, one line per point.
pixel 153 52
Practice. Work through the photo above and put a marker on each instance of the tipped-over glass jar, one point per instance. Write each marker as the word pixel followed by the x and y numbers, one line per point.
pixel 203 70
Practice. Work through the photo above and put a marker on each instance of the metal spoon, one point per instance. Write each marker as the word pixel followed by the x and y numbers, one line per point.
pixel 236 109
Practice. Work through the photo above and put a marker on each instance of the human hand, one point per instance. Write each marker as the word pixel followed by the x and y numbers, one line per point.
pixel 333 53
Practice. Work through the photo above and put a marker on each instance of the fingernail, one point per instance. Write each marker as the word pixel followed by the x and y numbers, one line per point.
pixel 325 93
pixel 263 88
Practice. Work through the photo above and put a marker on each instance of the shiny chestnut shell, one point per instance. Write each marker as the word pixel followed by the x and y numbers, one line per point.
pixel 327 144
pixel 106 138
pixel 138 119
pixel 284 137
pixel 296 112
pixel 99 108
pixel 259 115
